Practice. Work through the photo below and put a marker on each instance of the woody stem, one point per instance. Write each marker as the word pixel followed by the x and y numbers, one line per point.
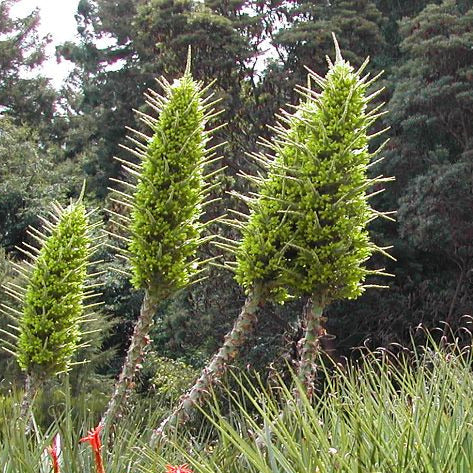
pixel 32 384
pixel 139 341
pixel 242 328
pixel 310 343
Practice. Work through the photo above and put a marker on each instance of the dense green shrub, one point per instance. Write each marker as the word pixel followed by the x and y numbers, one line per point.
pixel 171 377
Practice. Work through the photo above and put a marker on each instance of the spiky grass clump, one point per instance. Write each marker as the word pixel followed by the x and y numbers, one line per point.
pixel 167 203
pixel 405 415
pixel 385 415
pixel 307 233
pixel 51 300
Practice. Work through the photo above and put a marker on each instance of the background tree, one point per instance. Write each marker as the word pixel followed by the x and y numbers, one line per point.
pixel 431 143
pixel 432 103
pixel 27 101
pixel 148 39
pixel 306 37
pixel 30 178
pixel 435 217
pixel 32 165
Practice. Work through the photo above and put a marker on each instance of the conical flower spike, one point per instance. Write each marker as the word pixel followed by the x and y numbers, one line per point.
pixel 307 230
pixel 306 233
pixel 167 199
pixel 53 295
pixel 167 205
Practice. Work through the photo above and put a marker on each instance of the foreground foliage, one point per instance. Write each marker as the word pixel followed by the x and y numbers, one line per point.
pixel 406 413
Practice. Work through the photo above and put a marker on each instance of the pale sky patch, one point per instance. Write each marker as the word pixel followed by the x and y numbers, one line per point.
pixel 57 19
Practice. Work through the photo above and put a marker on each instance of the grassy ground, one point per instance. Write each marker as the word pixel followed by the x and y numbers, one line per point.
pixel 410 413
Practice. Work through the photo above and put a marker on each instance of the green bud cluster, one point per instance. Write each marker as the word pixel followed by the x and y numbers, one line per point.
pixel 168 199
pixel 54 293
pixel 306 233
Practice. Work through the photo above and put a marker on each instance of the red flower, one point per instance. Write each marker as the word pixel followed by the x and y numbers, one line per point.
pixel 93 437
pixel 54 451
pixel 178 469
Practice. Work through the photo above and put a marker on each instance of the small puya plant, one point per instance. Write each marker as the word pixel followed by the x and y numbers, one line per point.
pixel 53 296
pixel 306 233
pixel 166 194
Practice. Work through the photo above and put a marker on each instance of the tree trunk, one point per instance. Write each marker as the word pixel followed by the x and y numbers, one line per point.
pixel 242 328
pixel 134 357
pixel 310 343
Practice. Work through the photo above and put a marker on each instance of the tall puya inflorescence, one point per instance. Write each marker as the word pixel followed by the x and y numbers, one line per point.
pixel 166 196
pixel 306 234
pixel 53 296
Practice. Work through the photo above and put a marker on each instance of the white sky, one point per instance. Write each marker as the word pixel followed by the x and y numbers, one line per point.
pixel 57 19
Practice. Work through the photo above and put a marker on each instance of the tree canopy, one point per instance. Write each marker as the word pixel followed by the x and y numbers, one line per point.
pixel 256 50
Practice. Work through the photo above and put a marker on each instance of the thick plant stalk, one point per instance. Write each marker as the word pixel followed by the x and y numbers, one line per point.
pixel 32 384
pixel 308 347
pixel 242 328
pixel 310 344
pixel 139 340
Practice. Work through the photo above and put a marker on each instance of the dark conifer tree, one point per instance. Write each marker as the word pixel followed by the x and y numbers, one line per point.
pixel 430 155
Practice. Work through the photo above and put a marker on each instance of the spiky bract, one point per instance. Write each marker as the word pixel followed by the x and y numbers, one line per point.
pixel 167 203
pixel 54 292
pixel 306 232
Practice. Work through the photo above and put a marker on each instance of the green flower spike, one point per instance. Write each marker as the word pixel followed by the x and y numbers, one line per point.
pixel 306 234
pixel 166 199
pixel 53 299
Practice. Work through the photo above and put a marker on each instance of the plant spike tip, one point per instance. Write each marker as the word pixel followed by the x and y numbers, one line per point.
pixel 338 53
